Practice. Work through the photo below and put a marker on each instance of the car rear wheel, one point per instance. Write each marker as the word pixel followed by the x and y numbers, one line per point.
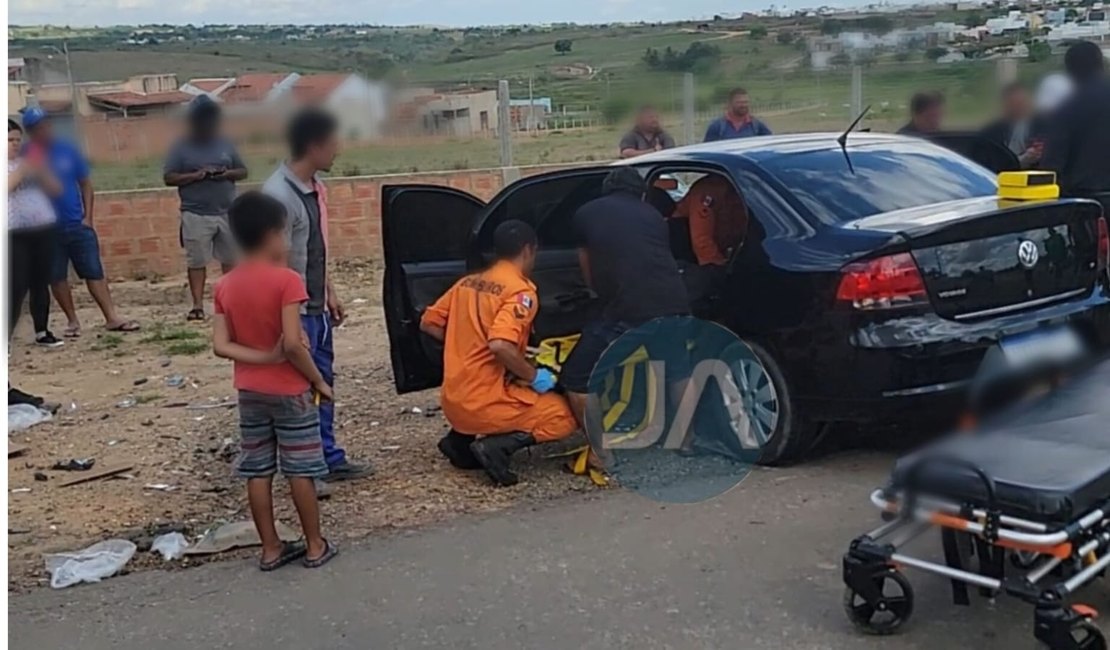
pixel 784 435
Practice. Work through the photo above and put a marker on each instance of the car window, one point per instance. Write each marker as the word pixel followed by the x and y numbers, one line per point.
pixel 548 206
pixel 880 180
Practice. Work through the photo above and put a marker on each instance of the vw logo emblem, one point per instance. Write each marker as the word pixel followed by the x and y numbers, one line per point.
pixel 1028 254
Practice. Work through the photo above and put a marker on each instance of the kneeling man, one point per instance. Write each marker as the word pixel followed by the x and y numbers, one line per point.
pixel 496 401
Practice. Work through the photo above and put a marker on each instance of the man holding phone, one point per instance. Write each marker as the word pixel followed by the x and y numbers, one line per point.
pixel 204 167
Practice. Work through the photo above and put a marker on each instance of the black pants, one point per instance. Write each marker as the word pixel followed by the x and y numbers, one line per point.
pixel 30 258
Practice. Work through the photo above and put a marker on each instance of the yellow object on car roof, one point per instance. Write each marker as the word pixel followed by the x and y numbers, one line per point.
pixel 1028 186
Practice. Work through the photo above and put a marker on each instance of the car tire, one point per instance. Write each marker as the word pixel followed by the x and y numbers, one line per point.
pixel 793 436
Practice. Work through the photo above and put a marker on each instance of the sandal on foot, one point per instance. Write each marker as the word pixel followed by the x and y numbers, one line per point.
pixel 125 326
pixel 71 331
pixel 290 551
pixel 195 315
pixel 330 551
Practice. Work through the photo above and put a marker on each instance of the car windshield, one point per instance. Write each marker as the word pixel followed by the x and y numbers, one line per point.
pixel 885 179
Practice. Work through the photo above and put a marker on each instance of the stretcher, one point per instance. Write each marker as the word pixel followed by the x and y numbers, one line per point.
pixel 1023 509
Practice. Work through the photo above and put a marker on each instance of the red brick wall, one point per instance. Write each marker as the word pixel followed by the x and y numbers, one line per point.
pixel 139 229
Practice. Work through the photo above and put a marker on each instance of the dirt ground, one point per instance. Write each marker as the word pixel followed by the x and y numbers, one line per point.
pixel 167 441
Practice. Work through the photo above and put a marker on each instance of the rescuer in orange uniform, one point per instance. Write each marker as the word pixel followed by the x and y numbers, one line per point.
pixel 718 222
pixel 496 401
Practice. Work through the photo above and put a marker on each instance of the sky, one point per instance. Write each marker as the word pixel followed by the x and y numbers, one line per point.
pixel 385 12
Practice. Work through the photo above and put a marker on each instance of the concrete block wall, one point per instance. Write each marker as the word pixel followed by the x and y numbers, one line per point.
pixel 139 229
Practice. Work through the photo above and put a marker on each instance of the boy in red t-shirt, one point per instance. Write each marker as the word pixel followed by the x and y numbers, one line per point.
pixel 258 326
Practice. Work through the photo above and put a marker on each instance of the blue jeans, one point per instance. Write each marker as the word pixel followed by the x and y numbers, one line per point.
pixel 317 327
pixel 77 243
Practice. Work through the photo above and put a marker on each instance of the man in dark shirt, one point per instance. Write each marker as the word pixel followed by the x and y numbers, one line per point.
pixel 1014 127
pixel 926 114
pixel 204 167
pixel 647 136
pixel 1078 147
pixel 625 254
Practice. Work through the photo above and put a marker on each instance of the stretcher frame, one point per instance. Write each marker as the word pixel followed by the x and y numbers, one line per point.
pixel 1053 561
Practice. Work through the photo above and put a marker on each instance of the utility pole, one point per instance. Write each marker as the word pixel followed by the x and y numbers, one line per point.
pixel 64 51
pixel 688 108
pixel 504 130
pixel 857 91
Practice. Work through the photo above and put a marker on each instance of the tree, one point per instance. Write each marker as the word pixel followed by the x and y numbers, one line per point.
pixel 934 53
pixel 785 37
pixel 840 60
pixel 1039 51
pixel 758 32
pixel 563 45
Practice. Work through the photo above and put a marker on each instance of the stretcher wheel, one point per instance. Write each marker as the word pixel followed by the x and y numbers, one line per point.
pixel 1086 635
pixel 888 614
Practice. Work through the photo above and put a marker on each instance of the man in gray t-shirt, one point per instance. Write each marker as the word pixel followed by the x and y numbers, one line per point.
pixel 646 136
pixel 204 167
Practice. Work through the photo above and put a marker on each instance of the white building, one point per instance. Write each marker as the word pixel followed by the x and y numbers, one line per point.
pixel 1011 22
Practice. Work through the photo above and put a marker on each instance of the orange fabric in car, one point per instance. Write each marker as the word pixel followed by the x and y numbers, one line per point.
pixel 718 219
pixel 478 396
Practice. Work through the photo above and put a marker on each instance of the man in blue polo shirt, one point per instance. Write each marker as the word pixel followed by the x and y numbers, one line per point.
pixel 76 240
pixel 738 121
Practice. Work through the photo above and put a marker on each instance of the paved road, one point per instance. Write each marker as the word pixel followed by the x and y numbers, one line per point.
pixel 756 568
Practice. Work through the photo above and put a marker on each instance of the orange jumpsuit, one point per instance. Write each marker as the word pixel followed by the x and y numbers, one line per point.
pixel 478 395
pixel 718 219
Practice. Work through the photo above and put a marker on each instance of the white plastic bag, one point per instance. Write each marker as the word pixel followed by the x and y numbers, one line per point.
pixel 25 416
pixel 99 561
pixel 171 545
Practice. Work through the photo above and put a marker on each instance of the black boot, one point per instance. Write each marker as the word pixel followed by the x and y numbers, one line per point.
pixel 495 452
pixel 455 447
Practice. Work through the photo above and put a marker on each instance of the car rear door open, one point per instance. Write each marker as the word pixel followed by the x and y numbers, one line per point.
pixel 425 233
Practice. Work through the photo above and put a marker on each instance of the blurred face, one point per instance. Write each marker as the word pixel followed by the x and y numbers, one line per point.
pixel 648 121
pixel 206 128
pixel 42 132
pixel 740 106
pixel 1017 104
pixel 15 141
pixel 323 154
pixel 931 118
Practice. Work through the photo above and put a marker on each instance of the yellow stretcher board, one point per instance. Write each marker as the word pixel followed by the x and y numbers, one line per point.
pixel 1028 186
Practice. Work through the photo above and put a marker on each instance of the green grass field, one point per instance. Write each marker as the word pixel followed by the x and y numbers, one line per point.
pixel 774 73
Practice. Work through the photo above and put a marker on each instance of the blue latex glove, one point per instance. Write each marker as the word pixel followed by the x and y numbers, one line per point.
pixel 544 381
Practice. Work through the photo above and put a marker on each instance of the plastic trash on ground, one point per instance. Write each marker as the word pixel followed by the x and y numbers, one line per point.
pixel 171 546
pixel 92 564
pixel 25 416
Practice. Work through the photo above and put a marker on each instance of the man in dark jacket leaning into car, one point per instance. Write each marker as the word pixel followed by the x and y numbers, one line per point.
pixel 625 254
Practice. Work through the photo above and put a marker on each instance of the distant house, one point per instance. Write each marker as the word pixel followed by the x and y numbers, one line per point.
pixel 139 95
pixel 1014 21
pixel 360 105
pixel 210 86
pixel 527 114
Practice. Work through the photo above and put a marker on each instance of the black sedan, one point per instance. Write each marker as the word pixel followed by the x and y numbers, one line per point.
pixel 871 279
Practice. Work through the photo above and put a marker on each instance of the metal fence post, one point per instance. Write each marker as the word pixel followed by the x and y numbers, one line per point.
pixel 503 127
pixel 857 91
pixel 688 108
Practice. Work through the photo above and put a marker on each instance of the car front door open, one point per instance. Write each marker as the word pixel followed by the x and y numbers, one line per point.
pixel 425 237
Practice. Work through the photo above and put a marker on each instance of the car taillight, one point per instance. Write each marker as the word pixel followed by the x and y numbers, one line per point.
pixel 882 283
pixel 1103 245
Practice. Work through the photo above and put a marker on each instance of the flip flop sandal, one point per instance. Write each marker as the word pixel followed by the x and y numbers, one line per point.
pixel 195 315
pixel 126 326
pixel 290 551
pixel 329 552
pixel 71 332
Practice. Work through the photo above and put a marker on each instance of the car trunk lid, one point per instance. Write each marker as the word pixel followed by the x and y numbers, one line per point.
pixel 981 257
